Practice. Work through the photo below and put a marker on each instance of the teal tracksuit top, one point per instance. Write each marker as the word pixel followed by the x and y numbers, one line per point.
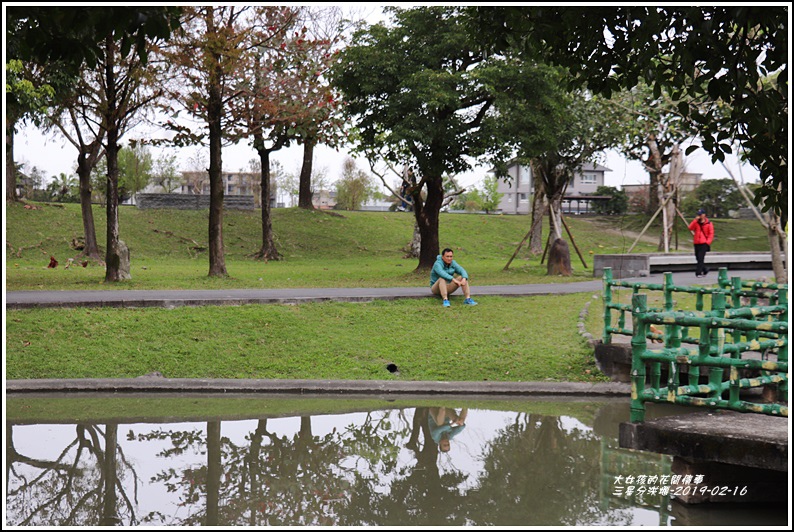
pixel 446 272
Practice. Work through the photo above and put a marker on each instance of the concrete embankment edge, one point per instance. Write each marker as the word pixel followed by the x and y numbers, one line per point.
pixel 279 386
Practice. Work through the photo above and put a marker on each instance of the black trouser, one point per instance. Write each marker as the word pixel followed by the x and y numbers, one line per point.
pixel 700 256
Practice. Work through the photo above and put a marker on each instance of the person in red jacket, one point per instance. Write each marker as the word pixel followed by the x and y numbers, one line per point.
pixel 703 232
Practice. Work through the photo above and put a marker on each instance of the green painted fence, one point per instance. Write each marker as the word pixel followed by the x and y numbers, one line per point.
pixel 737 334
pixel 713 350
pixel 739 293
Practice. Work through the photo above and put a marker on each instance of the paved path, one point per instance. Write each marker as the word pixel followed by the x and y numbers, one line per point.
pixel 175 298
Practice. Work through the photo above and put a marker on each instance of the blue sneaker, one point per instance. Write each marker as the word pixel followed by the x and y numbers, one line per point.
pixel 469 301
pixel 446 303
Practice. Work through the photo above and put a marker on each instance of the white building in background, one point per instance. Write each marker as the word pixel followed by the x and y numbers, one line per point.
pixel 324 199
pixel 234 184
pixel 518 191
pixel 381 205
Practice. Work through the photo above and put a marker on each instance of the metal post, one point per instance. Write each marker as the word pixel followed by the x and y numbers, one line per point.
pixel 718 310
pixel 735 287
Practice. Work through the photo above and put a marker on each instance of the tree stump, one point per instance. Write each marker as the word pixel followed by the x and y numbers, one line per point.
pixel 559 259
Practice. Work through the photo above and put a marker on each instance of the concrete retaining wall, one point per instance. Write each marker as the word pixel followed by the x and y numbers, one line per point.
pixel 643 264
pixel 636 265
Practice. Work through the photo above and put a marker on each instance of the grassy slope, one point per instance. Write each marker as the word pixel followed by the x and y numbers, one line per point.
pixel 500 339
pixel 512 339
pixel 319 249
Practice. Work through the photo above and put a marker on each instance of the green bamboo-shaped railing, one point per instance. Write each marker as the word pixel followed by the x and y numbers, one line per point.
pixel 714 352
pixel 734 289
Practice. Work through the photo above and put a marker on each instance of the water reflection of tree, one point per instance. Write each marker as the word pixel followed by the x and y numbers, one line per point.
pixel 82 486
pixel 191 483
pixel 418 494
pixel 536 473
pixel 295 483
pixel 272 480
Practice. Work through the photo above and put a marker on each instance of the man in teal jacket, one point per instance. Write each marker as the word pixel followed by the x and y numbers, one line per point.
pixel 446 276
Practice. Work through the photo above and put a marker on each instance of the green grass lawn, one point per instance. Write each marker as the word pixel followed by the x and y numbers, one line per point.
pixel 502 339
pixel 168 248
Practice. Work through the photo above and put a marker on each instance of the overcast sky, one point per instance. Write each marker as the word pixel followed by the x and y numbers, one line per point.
pixel 52 155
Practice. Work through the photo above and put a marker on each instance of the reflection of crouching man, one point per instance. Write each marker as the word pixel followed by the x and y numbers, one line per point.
pixel 446 276
pixel 445 424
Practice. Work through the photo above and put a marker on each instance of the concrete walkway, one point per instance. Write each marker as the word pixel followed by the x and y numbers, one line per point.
pixel 175 298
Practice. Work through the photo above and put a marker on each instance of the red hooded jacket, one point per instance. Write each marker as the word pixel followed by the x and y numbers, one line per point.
pixel 704 232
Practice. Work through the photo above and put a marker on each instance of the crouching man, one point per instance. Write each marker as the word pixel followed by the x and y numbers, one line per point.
pixel 447 276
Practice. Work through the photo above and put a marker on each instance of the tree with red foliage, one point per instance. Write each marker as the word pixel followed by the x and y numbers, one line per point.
pixel 206 59
pixel 282 97
pixel 319 50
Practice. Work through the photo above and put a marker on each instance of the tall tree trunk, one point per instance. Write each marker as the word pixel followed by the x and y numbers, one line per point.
pixel 113 253
pixel 777 251
pixel 85 163
pixel 268 250
pixel 539 209
pixel 661 196
pixel 305 431
pixel 427 218
pixel 305 186
pixel 11 170
pixel 214 113
pixel 11 455
pixel 653 164
pixel 555 217
pixel 668 189
pixel 668 219
pixel 554 179
pixel 415 245
pixel 254 459
pixel 653 193
pixel 110 477
pixel 214 472
pixel 559 261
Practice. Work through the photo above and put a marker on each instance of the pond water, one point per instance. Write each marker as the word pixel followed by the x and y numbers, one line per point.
pixel 341 461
